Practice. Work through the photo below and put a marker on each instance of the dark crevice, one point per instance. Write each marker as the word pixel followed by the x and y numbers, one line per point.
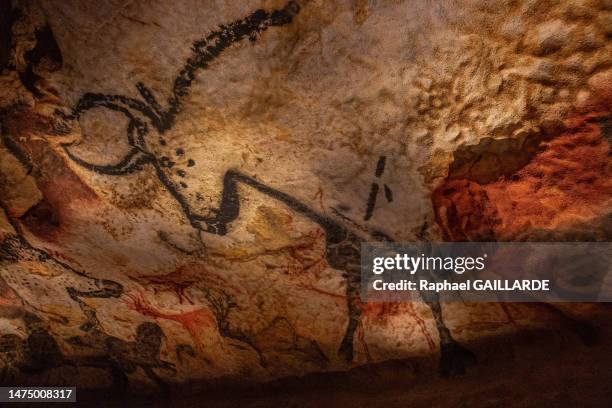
pixel 492 158
pixel 6 21
pixel 46 48
pixel 42 218
pixel 606 129
pixel 28 78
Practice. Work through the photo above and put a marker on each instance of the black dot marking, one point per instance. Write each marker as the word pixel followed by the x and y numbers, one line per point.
pixel 181 173
pixel 190 163
pixel 162 142
pixel 180 152
pixel 183 185
pixel 166 162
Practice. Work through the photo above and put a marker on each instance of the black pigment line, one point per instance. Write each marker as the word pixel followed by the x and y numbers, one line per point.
pixel 204 52
pixel 454 358
pixel 10 144
pixel 380 166
pixel 371 202
pixel 208 49
pixel 388 194
pixel 132 162
pixel 334 230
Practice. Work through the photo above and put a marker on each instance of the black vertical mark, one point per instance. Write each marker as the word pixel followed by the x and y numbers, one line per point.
pixel 380 166
pixel 380 169
pixel 454 358
pixel 388 194
pixel 371 201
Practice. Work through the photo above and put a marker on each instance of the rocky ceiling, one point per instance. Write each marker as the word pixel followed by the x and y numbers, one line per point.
pixel 185 185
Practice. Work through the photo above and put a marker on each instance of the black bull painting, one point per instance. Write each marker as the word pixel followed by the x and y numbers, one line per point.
pixel 148 125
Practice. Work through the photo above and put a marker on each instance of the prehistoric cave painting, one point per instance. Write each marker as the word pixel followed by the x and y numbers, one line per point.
pixel 118 356
pixel 147 116
pixel 220 304
pixel 281 337
pixel 15 248
pixel 40 351
pixel 33 355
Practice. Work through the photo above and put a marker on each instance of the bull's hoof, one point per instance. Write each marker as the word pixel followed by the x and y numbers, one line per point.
pixel 455 359
pixel 346 350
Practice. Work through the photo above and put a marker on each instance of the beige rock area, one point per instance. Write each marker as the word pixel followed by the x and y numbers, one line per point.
pixel 185 185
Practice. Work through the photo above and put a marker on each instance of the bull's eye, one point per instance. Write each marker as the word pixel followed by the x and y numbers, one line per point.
pixel 105 135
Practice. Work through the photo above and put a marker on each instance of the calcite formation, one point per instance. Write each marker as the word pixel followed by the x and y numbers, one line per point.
pixel 185 185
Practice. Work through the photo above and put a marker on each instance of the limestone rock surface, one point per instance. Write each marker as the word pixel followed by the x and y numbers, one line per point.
pixel 185 185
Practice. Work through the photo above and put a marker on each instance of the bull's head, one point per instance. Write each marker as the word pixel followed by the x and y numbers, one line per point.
pixel 133 137
pixel 144 117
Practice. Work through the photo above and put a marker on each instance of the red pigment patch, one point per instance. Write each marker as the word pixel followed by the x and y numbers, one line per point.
pixel 8 297
pixel 380 312
pixel 309 257
pixel 61 187
pixel 177 282
pixel 570 180
pixel 312 288
pixel 192 321
pixel 182 278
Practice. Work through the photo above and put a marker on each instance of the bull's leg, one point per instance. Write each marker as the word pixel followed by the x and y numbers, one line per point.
pixel 346 255
pixel 105 289
pixel 354 314
pixel 343 247
pixel 165 387
pixel 454 358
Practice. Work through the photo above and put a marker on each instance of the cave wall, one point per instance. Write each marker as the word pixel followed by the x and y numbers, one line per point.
pixel 185 186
